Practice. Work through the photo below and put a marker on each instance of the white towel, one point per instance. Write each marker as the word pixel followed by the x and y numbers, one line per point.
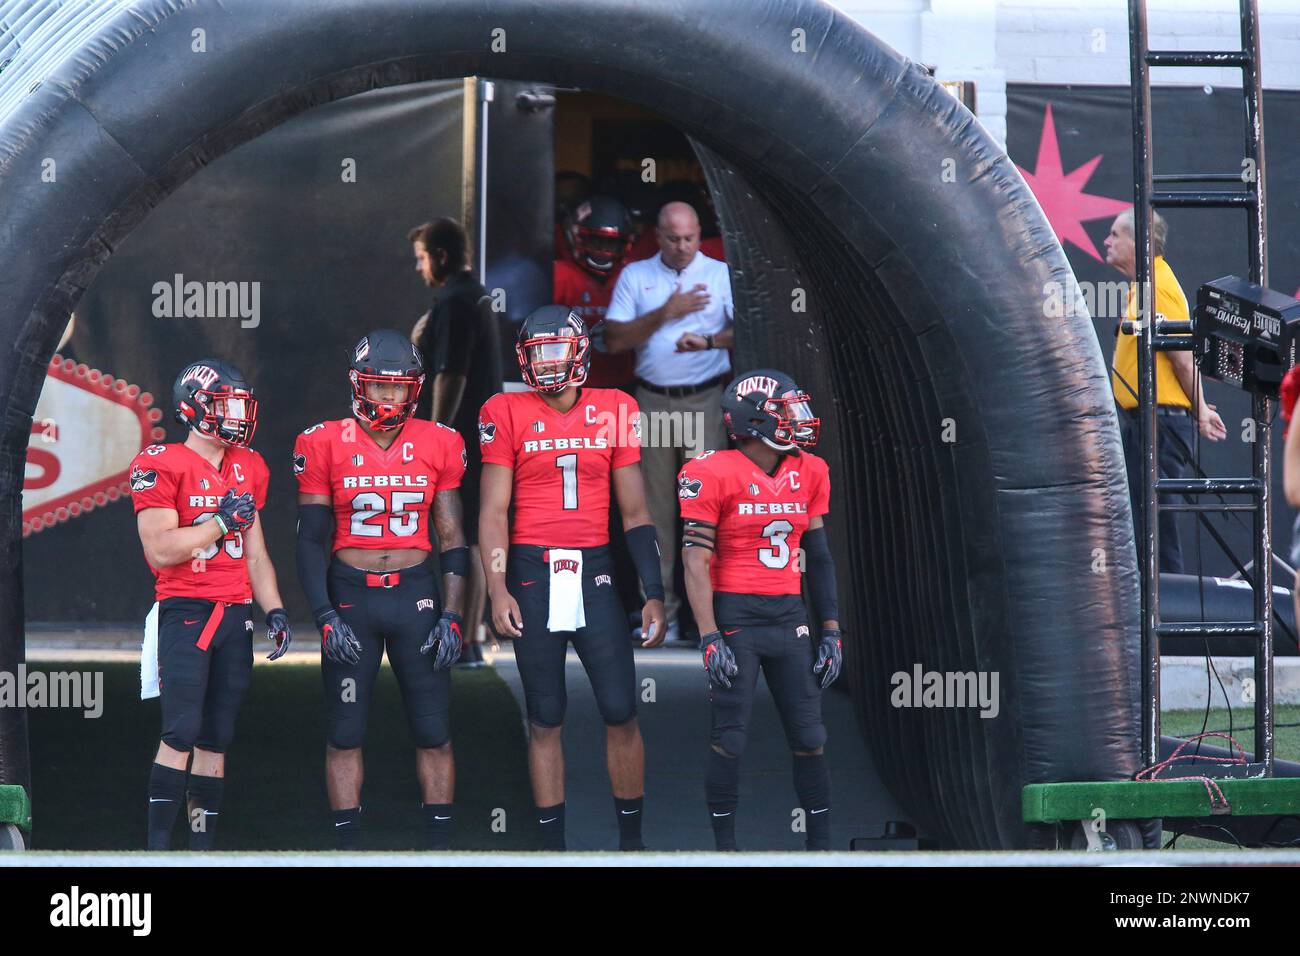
pixel 149 656
pixel 566 612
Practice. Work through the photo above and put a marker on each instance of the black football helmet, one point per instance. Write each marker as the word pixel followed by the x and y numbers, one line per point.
pixel 768 405
pixel 553 348
pixel 600 234
pixel 385 355
pixel 214 399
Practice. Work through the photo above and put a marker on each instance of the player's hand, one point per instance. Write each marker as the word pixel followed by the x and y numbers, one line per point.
pixel 1210 424
pixel 446 637
pixel 684 303
pixel 719 661
pixel 652 623
pixel 420 326
pixel 506 618
pixel 340 644
pixel 277 629
pixel 829 656
pixel 692 342
pixel 235 512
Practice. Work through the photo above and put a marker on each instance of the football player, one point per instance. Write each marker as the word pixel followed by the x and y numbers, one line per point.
pixel 196 505
pixel 553 453
pixel 750 515
pixel 599 235
pixel 369 487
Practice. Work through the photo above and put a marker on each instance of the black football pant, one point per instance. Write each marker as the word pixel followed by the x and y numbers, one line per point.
pixel 205 666
pixel 396 618
pixel 604 646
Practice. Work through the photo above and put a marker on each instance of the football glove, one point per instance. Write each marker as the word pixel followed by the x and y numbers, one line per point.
pixel 829 657
pixel 337 639
pixel 277 629
pixel 719 661
pixel 445 636
pixel 235 512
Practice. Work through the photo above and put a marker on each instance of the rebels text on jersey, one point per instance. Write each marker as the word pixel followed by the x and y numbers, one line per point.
pixel 177 477
pixel 760 517
pixel 381 496
pixel 562 464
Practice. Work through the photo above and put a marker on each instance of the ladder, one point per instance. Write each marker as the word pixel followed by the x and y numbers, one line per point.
pixel 1152 191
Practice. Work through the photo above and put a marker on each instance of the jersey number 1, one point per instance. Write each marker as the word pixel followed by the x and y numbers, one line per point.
pixel 568 465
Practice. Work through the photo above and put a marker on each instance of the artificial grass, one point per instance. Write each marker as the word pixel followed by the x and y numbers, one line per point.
pixel 89 775
pixel 1184 723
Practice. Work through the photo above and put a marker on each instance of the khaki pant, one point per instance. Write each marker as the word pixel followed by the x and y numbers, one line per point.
pixel 674 430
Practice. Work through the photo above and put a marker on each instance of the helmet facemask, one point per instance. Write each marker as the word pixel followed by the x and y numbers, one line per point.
pixel 797 427
pixel 550 363
pixel 228 415
pixel 599 251
pixel 384 416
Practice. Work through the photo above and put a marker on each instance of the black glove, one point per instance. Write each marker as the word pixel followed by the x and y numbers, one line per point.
pixel 235 512
pixel 277 629
pixel 340 644
pixel 829 658
pixel 719 661
pixel 446 637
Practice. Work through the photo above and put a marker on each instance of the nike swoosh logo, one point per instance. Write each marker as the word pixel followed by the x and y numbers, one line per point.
pixel 442 818
pixel 192 622
pixel 722 814
pixel 822 810
pixel 729 633
pixel 524 584
pixel 343 824
pixel 552 820
pixel 347 605
pixel 627 812
pixel 161 800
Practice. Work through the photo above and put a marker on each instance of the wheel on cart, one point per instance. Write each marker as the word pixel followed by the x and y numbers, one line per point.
pixel 11 837
pixel 1118 835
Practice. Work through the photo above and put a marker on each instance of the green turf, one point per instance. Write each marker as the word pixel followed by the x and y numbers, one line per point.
pixel 89 775
pixel 1181 723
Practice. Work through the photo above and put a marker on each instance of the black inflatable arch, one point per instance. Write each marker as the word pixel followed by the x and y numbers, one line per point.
pixel 978 474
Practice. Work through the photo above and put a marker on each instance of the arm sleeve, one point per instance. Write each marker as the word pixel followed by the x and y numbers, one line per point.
pixel 315 531
pixel 152 484
pixel 700 494
pixel 622 304
pixel 458 332
pixel 311 464
pixel 454 461
pixel 496 443
pixel 627 445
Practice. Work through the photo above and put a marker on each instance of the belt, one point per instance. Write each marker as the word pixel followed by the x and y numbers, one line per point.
pixel 1165 410
pixel 385 579
pixel 681 391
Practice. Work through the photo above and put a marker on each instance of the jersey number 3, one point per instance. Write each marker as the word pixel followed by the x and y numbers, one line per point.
pixel 777 556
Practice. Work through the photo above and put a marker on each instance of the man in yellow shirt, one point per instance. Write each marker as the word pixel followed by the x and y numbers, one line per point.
pixel 1176 379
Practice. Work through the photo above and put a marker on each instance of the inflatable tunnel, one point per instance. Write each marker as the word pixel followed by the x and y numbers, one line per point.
pixel 884 250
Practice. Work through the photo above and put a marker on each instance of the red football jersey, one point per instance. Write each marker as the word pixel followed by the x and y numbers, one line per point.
pixel 174 476
pixel 760 518
pixel 563 464
pixel 381 496
pixel 589 297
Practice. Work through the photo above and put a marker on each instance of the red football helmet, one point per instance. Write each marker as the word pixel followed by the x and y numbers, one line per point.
pixel 387 357
pixel 600 235
pixel 553 349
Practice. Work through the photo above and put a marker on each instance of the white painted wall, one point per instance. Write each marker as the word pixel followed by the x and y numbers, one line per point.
pixel 996 42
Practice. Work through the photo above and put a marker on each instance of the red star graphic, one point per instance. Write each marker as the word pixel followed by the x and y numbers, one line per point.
pixel 1062 197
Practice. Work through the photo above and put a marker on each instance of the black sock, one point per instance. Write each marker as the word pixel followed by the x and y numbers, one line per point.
pixel 437 826
pixel 551 822
pixel 629 822
pixel 166 793
pixel 722 790
pixel 205 810
pixel 812 782
pixel 347 828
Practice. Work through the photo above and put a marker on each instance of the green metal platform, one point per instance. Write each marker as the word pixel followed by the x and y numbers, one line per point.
pixel 1141 800
pixel 15 807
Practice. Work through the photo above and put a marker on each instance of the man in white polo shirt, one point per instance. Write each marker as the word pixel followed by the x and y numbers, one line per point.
pixel 674 310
